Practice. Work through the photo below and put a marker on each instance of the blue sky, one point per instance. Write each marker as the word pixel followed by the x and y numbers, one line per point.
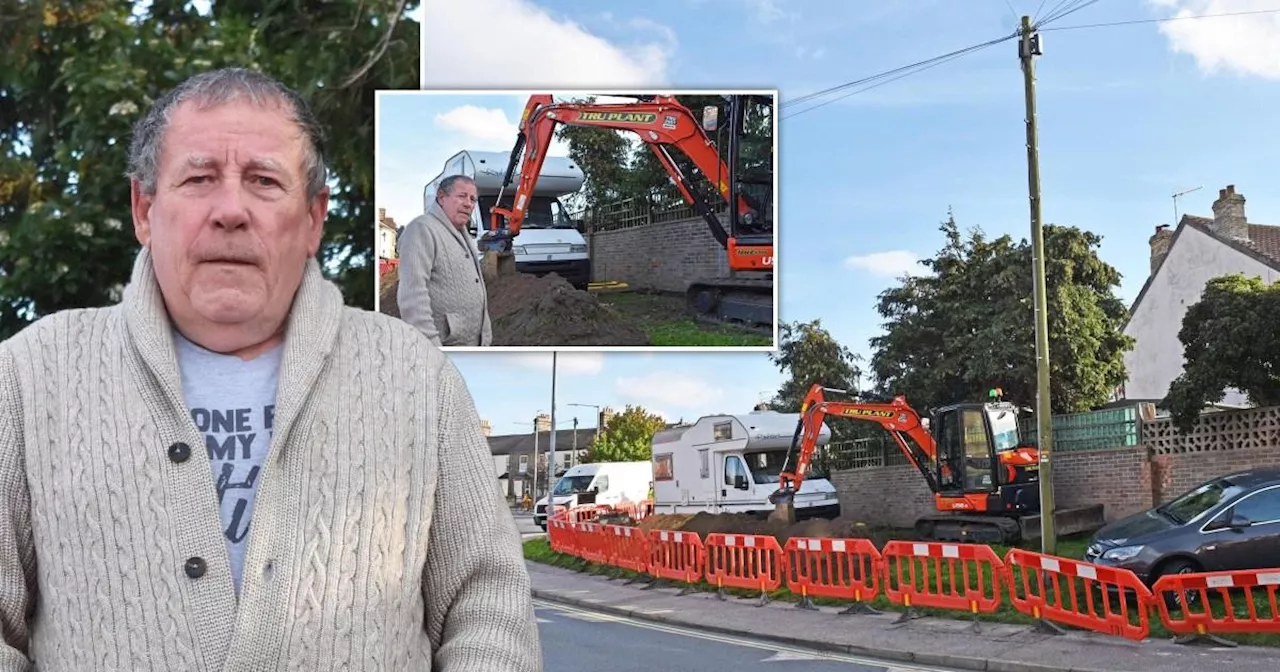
pixel 1128 115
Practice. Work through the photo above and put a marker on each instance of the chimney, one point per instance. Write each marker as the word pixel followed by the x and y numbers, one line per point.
pixel 1228 214
pixel 1160 245
pixel 542 423
pixel 486 428
pixel 382 214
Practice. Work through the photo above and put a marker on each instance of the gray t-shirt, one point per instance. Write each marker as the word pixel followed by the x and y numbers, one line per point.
pixel 232 402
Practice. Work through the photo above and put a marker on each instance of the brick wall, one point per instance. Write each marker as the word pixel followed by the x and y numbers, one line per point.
pixel 894 496
pixel 1125 480
pixel 665 256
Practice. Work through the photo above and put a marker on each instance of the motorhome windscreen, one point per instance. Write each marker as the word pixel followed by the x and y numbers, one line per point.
pixel 543 212
pixel 766 466
pixel 569 485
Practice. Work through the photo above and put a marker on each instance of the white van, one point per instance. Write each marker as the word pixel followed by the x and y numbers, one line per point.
pixel 598 483
pixel 549 241
pixel 732 463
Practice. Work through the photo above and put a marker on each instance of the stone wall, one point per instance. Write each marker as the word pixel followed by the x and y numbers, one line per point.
pixel 662 255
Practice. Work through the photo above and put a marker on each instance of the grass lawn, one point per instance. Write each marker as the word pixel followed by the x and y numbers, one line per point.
pixel 539 550
pixel 663 318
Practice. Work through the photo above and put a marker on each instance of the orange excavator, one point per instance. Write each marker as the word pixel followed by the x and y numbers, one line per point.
pixel 984 478
pixel 745 295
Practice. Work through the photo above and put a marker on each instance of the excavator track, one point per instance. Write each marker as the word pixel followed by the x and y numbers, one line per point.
pixel 744 303
pixel 963 528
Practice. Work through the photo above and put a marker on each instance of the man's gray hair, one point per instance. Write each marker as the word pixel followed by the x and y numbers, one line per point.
pixel 215 88
pixel 446 185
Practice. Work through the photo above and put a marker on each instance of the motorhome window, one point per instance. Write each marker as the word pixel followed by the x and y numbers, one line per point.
pixel 705 456
pixel 722 431
pixel 537 216
pixel 766 466
pixel 572 484
pixel 733 468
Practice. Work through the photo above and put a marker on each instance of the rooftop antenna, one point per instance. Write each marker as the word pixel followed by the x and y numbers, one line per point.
pixel 1175 203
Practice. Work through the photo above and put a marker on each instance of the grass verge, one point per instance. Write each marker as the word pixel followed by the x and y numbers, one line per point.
pixel 539 550
pixel 663 319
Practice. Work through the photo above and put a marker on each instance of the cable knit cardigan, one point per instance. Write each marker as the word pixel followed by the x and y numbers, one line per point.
pixel 379 538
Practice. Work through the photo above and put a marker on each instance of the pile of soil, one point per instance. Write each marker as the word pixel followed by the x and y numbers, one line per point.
pixel 740 523
pixel 548 311
pixel 387 285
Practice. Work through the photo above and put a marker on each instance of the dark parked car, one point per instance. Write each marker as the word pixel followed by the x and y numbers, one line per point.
pixel 1228 523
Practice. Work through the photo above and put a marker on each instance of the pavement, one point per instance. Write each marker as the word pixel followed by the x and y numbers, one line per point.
pixel 582 640
pixel 940 642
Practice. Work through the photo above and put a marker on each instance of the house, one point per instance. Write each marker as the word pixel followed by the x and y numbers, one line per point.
pixel 513 454
pixel 1182 261
pixel 388 234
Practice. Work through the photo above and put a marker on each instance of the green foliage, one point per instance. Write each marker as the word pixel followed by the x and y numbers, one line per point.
pixel 78 74
pixel 969 326
pixel 627 438
pixel 808 354
pixel 1230 338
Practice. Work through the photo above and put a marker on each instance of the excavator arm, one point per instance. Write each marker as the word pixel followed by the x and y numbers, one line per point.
pixel 897 417
pixel 662 123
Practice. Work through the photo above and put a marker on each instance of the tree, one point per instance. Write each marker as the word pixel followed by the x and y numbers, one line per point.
pixel 953 334
pixel 808 354
pixel 77 75
pixel 1230 338
pixel 627 438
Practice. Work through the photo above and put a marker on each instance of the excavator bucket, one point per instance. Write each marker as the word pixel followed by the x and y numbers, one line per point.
pixel 1066 522
pixel 784 510
pixel 497 264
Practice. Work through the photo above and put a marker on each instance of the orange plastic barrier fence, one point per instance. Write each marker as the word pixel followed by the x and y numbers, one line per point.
pixel 676 556
pixel 560 536
pixel 1080 594
pixel 744 561
pixel 628 548
pixel 846 569
pixel 592 543
pixel 963 577
pixel 1196 614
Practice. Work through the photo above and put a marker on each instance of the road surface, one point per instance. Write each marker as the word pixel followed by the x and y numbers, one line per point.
pixel 578 640
pixel 524 523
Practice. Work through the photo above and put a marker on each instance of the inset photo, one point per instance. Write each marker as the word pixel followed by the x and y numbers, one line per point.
pixel 615 220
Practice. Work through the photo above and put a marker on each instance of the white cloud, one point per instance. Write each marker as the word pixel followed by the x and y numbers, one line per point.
pixel 668 389
pixel 521 45
pixel 567 363
pixel 889 264
pixel 1246 45
pixel 488 125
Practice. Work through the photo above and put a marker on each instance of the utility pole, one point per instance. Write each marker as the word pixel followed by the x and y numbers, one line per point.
pixel 1029 47
pixel 551 459
pixel 535 459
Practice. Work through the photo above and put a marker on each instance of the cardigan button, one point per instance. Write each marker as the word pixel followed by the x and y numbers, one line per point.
pixel 194 567
pixel 179 452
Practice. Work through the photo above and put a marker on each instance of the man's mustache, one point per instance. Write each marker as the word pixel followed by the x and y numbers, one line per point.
pixel 228 255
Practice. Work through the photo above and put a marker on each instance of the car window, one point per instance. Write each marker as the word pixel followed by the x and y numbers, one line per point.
pixel 1262 507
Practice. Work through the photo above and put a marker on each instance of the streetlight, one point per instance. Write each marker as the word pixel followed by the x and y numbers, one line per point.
pixel 575 422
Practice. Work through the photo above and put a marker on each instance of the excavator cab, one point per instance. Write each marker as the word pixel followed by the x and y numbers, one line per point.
pixel 982 464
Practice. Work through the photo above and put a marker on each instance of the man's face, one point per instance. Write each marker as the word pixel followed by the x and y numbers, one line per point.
pixel 229 227
pixel 459 202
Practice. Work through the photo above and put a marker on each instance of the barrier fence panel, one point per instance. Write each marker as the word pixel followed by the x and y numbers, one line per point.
pixel 844 569
pixel 963 577
pixel 676 556
pixel 1242 601
pixel 628 548
pixel 560 536
pixel 592 544
pixel 1102 599
pixel 744 561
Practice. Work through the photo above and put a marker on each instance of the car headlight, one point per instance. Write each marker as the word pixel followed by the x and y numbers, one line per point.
pixel 1122 553
pixel 577 249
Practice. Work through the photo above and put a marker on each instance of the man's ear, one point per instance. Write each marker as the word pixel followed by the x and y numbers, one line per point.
pixel 141 210
pixel 316 214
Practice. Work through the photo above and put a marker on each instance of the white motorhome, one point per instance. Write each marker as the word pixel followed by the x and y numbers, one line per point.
pixel 598 483
pixel 732 463
pixel 549 241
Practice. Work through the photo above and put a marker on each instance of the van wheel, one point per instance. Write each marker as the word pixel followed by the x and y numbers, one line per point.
pixel 543 525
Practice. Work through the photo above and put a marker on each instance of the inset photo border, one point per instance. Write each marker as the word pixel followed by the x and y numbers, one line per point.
pixel 525 220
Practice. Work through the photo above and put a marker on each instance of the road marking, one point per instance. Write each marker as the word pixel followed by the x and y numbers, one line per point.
pixel 782 656
pixel 777 649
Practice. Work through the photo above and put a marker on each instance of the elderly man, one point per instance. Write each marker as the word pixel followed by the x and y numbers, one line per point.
pixel 441 289
pixel 230 470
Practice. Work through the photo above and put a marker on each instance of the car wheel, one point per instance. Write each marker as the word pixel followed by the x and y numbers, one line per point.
pixel 1180 566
